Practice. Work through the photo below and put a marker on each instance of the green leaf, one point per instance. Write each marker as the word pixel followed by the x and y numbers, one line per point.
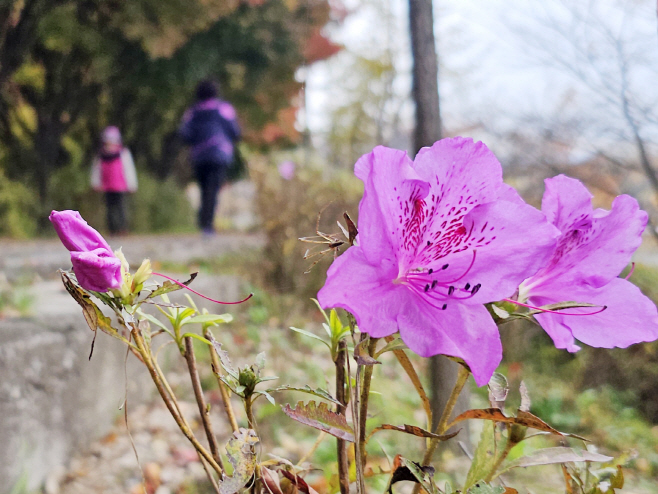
pixel 549 456
pixel 197 337
pixel 153 320
pixel 320 417
pixel 269 397
pixel 484 488
pixel 209 318
pixel 169 286
pixel 315 300
pixel 311 335
pixel 396 344
pixel 484 456
pixel 319 392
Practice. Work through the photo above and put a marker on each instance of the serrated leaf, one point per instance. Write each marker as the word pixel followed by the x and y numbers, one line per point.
pixel 241 452
pixel 170 286
pixel 224 359
pixel 320 417
pixel 484 457
pixel 560 454
pixel 525 419
pixel 209 318
pixel 319 392
pixel 414 431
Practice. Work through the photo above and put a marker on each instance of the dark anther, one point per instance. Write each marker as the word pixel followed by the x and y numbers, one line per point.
pixel 427 287
pixel 430 271
pixel 476 289
pixel 429 243
pixel 445 266
pixel 468 286
pixel 434 283
pixel 445 306
pixel 451 290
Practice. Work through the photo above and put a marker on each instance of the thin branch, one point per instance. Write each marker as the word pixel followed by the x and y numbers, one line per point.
pixel 201 401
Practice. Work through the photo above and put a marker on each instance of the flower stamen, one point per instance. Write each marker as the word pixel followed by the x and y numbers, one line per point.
pixel 556 311
pixel 182 285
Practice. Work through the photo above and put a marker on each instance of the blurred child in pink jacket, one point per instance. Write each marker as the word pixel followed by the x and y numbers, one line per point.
pixel 113 172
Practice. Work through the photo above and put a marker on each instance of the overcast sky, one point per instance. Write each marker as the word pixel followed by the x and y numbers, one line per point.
pixel 501 59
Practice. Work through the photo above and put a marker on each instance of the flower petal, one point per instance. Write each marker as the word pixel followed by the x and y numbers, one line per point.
pixel 510 242
pixel 96 270
pixel 459 331
pixel 630 316
pixel 391 190
pixel 75 233
pixel 595 245
pixel 364 289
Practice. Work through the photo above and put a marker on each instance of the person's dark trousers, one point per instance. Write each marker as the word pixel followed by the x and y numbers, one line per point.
pixel 210 176
pixel 116 212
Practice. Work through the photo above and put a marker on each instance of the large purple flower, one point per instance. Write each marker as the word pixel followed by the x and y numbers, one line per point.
pixel 95 266
pixel 438 238
pixel 594 247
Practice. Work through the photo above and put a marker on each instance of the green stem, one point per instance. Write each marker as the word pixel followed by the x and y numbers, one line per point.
pixel 182 425
pixel 499 460
pixel 363 408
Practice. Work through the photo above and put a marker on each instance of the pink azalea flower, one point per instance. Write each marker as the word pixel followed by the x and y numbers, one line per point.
pixel 438 238
pixel 94 264
pixel 594 247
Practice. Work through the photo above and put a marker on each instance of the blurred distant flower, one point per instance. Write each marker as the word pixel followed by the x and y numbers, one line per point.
pixel 95 266
pixel 593 248
pixel 438 238
pixel 287 170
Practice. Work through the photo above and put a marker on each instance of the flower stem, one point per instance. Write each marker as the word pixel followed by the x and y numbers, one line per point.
pixel 462 377
pixel 363 405
pixel 204 412
pixel 226 397
pixel 499 460
pixel 341 444
pixel 182 425
pixel 249 409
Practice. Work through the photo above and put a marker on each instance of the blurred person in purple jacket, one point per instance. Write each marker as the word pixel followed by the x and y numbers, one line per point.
pixel 211 130
pixel 113 172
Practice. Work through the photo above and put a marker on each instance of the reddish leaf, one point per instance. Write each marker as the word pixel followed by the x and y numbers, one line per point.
pixel 299 482
pixel 414 430
pixel 320 417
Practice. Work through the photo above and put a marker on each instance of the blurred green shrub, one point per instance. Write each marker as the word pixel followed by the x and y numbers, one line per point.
pixel 288 210
pixel 160 206
pixel 17 209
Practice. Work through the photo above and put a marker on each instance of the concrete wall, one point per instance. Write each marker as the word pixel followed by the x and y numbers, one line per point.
pixel 53 400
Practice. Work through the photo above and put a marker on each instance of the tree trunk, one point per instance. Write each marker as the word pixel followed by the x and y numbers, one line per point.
pixel 425 74
pixel 442 371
